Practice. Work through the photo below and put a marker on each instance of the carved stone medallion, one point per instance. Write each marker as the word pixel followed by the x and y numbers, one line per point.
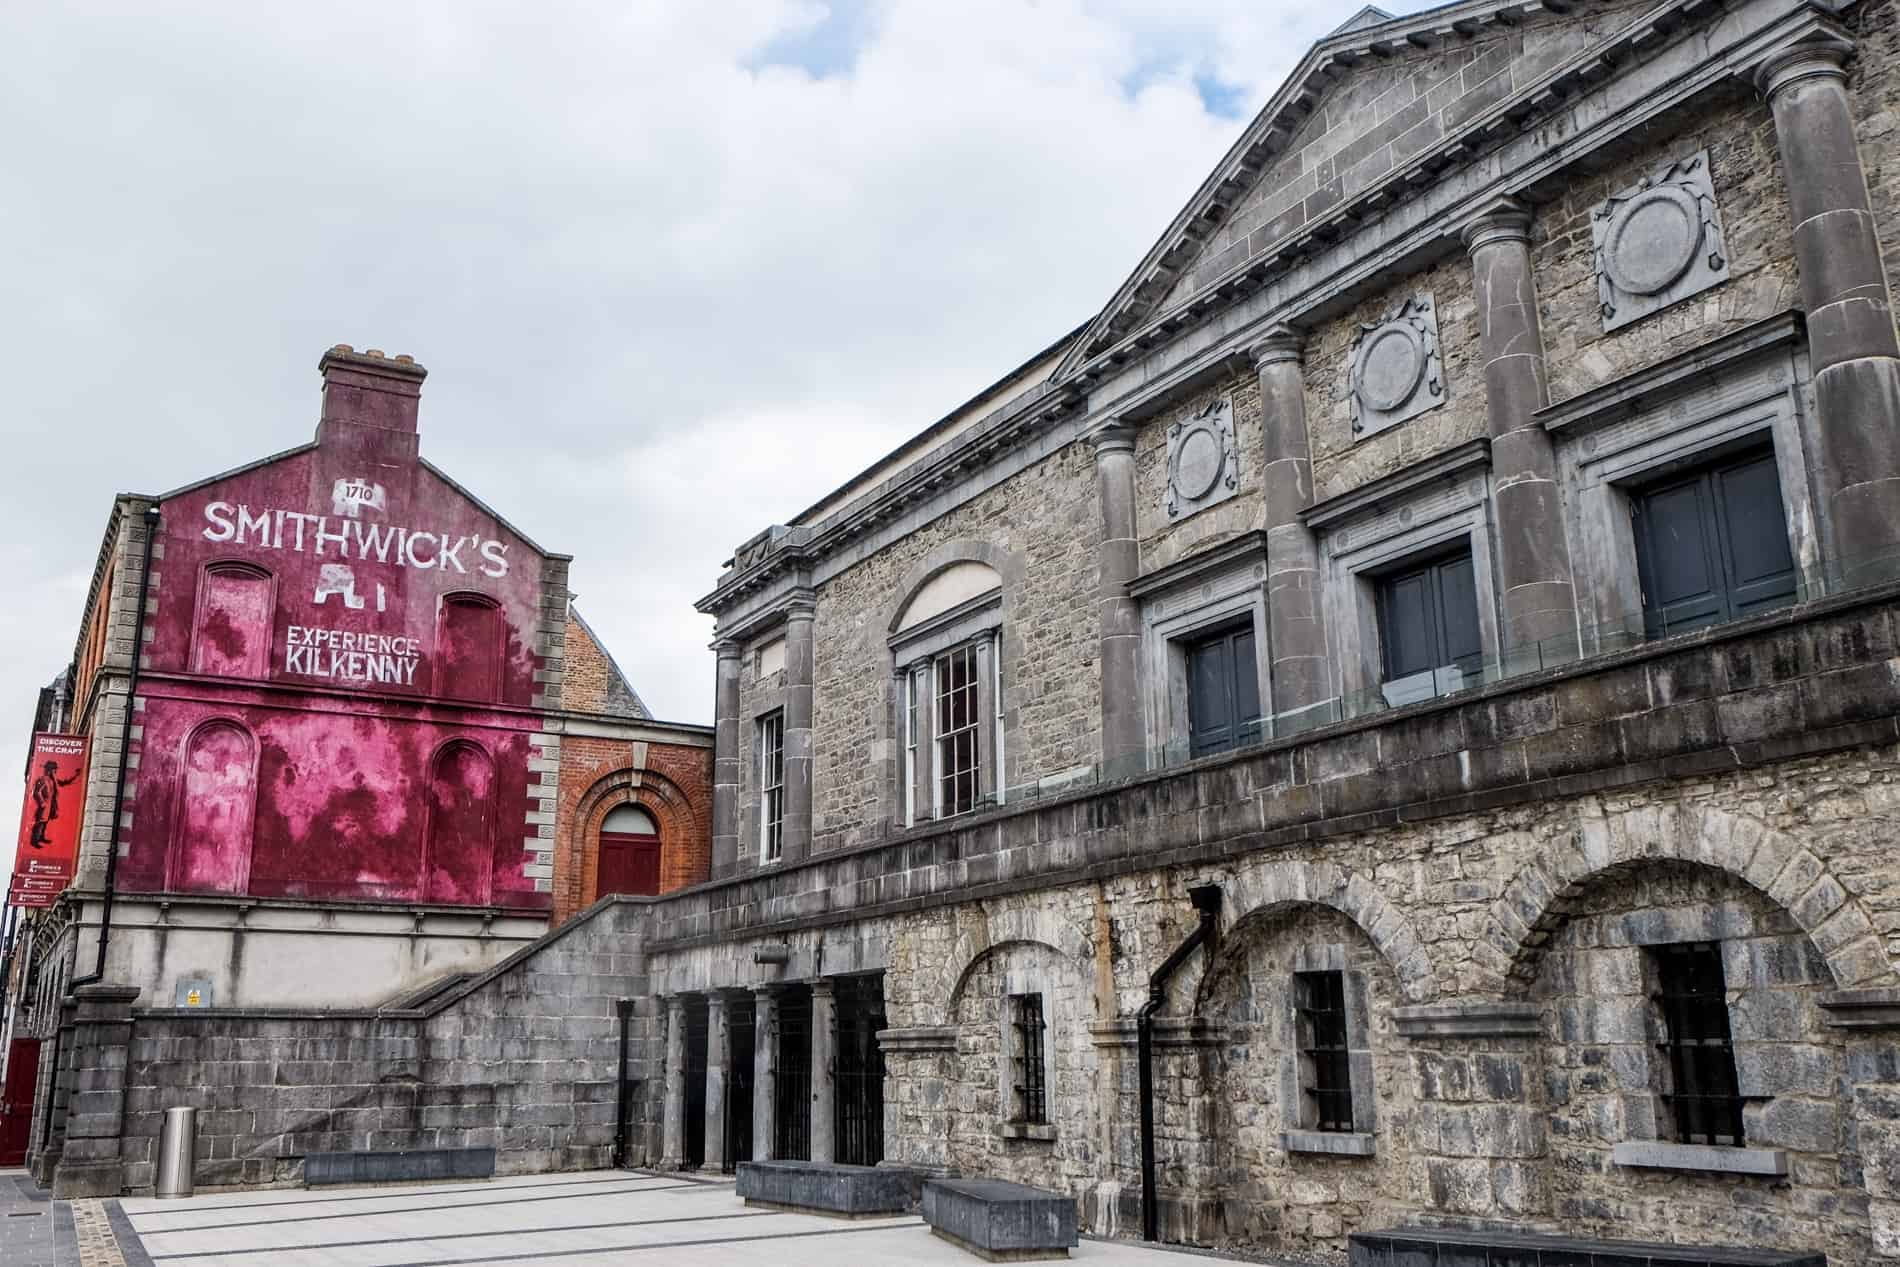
pixel 1658 242
pixel 1395 372
pixel 1203 462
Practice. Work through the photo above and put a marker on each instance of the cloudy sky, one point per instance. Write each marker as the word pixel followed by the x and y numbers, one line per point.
pixel 677 267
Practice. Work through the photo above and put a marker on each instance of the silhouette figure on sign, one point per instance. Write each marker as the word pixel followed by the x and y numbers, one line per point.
pixel 46 801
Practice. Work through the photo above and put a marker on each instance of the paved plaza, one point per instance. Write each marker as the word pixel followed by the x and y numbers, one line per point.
pixel 607 1217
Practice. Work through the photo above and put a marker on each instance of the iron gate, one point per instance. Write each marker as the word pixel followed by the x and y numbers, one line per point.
pixel 739 1086
pixel 860 1071
pixel 693 1142
pixel 791 1078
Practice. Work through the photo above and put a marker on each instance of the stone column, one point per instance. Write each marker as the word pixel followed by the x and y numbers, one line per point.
pixel 92 1163
pixel 1869 1022
pixel 918 1096
pixel 1533 559
pixel 56 1083
pixel 824 1059
pixel 1118 560
pixel 798 678
pixel 718 1045
pixel 673 1111
pixel 1851 340
pixel 1303 690
pixel 764 1069
pixel 725 805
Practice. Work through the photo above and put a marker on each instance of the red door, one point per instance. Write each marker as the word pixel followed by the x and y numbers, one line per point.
pixel 628 864
pixel 16 1109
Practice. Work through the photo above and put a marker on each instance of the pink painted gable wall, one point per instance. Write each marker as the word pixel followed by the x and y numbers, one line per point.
pixel 340 681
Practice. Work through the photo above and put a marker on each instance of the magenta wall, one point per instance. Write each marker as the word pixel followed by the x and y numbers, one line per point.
pixel 340 683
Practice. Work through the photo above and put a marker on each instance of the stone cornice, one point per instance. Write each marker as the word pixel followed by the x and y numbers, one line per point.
pixel 1482 1019
pixel 764 559
pixel 1674 376
pixel 1169 1031
pixel 1862 1009
pixel 1440 467
pixel 1248 545
pixel 920 1040
pixel 1267 138
pixel 1561 94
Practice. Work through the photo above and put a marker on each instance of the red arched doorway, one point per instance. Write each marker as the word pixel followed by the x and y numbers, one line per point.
pixel 629 853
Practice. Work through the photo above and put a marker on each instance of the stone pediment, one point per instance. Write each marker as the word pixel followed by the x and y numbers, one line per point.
pixel 1363 104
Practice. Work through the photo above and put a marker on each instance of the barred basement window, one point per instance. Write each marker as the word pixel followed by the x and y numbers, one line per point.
pixel 1322 1008
pixel 1032 1100
pixel 959 722
pixel 1704 1091
pixel 771 786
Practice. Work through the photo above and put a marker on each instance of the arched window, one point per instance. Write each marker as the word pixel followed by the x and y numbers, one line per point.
pixel 629 860
pixel 459 856
pixel 945 650
pixel 231 628
pixel 468 647
pixel 211 845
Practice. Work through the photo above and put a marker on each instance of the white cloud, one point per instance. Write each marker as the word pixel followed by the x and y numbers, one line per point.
pixel 667 294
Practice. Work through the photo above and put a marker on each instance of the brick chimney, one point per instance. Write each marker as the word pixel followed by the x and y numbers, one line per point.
pixel 365 393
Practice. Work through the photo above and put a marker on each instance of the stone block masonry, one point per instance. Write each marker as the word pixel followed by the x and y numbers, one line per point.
pixel 522 1060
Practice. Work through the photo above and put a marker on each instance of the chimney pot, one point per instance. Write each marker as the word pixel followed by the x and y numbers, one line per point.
pixel 375 352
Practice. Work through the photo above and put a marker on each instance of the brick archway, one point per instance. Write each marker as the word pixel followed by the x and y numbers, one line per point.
pixel 1545 891
pixel 648 790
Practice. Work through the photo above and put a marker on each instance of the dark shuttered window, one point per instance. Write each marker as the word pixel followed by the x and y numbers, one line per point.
pixel 1223 691
pixel 1712 545
pixel 1428 625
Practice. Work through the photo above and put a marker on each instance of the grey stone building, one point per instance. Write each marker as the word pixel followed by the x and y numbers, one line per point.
pixel 1395 720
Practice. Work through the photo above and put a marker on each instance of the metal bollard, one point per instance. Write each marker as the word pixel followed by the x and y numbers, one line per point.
pixel 177 1146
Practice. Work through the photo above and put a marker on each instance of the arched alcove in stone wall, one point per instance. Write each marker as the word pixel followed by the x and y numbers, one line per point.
pixel 1609 1077
pixel 1261 1118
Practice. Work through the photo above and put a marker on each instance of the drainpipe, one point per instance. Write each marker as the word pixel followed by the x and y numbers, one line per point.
pixel 625 1008
pixel 125 752
pixel 1206 899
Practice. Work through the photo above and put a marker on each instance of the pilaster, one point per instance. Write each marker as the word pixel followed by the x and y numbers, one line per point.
pixel 1304 691
pixel 1118 560
pixel 1851 340
pixel 798 710
pixel 725 799
pixel 1534 581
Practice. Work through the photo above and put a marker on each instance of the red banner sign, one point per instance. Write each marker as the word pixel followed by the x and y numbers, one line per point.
pixel 48 852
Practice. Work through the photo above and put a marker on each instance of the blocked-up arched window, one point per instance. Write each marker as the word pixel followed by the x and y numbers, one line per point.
pixel 211 844
pixel 468 647
pixel 459 855
pixel 231 626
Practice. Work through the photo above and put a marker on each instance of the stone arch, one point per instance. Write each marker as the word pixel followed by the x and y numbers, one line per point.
pixel 962 550
pixel 650 791
pixel 1266 886
pixel 1772 861
pixel 1013 926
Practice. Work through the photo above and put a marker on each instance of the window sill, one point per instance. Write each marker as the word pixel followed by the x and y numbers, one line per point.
pixel 1027 1130
pixel 1332 1143
pixel 1654 1154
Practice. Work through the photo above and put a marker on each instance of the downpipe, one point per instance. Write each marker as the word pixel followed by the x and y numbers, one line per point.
pixel 1206 899
pixel 624 1007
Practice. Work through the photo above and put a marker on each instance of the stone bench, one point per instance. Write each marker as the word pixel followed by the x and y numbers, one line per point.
pixel 1434 1247
pixel 414 1165
pixel 817 1187
pixel 1002 1222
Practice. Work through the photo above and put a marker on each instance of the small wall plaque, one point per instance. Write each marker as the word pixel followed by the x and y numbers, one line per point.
pixel 1395 372
pixel 192 992
pixel 1658 242
pixel 1203 461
